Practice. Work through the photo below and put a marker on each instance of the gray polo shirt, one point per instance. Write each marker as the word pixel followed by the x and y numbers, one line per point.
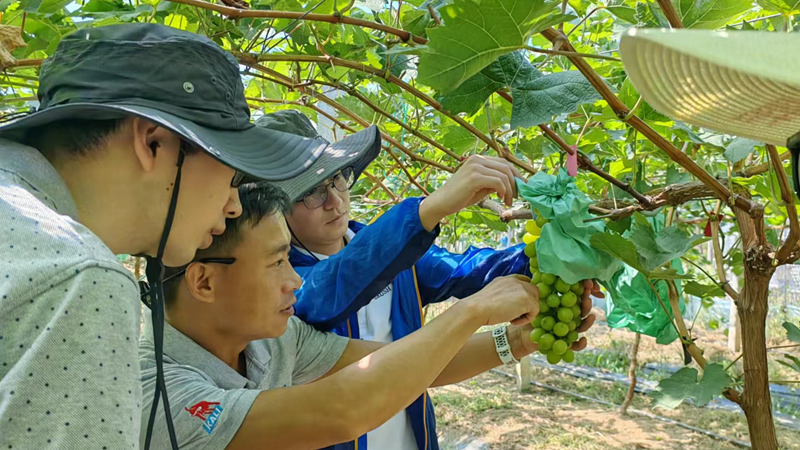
pixel 208 399
pixel 69 319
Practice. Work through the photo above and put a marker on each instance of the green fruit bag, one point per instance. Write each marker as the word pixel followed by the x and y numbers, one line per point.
pixel 564 248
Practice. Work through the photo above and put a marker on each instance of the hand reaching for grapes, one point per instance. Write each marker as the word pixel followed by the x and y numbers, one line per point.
pixel 477 177
pixel 521 345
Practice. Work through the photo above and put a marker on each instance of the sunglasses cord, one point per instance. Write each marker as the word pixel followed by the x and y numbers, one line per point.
pixel 155 277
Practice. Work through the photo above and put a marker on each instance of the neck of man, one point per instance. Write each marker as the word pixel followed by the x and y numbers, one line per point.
pixel 328 248
pixel 196 326
pixel 111 201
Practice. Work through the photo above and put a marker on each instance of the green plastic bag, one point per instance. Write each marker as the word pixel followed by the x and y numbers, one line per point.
pixel 564 248
pixel 633 305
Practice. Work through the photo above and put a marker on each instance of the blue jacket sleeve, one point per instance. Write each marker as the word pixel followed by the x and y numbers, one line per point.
pixel 442 274
pixel 337 287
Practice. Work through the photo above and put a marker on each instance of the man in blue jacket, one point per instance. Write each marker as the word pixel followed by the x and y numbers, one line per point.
pixel 373 282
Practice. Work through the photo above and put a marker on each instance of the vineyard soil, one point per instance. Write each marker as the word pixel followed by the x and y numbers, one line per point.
pixel 489 409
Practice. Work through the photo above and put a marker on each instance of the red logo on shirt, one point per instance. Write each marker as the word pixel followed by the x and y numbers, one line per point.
pixel 202 409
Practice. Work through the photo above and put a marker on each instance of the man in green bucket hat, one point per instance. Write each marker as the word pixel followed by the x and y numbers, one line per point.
pixel 140 140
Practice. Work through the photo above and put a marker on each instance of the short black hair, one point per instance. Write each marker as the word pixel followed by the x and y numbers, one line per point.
pixel 74 137
pixel 259 200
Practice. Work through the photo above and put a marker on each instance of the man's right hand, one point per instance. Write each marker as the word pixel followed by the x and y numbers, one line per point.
pixel 506 299
pixel 477 177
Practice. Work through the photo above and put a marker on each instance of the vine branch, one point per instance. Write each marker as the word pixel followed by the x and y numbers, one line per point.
pixel 788 251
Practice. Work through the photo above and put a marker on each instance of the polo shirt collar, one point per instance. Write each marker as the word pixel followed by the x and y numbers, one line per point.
pixel 184 350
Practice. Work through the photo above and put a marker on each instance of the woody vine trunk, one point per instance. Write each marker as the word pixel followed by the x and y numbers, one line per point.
pixel 752 308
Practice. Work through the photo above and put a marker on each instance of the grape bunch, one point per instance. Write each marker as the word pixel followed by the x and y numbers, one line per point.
pixel 554 328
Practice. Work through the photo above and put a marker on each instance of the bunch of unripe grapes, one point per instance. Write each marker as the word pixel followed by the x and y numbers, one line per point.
pixel 554 328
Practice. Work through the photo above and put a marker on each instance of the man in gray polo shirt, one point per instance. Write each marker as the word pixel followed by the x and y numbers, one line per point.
pixel 239 364
pixel 124 110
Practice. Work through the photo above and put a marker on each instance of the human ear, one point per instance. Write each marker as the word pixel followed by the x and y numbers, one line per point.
pixel 150 142
pixel 200 281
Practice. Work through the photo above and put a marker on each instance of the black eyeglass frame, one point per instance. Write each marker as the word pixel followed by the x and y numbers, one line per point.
pixel 324 193
pixel 226 261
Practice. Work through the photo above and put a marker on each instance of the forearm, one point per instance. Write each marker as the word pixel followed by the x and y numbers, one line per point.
pixel 361 396
pixel 480 355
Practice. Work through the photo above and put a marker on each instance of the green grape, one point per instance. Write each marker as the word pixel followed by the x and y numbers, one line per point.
pixel 564 314
pixel 562 286
pixel 530 228
pixel 572 337
pixel 572 325
pixel 548 279
pixel 530 250
pixel 559 347
pixel 569 299
pixel 553 300
pixel 536 334
pixel 534 263
pixel 577 321
pixel 543 351
pixel 543 308
pixel 577 288
pixel 546 341
pixel 536 277
pixel 568 356
pixel 553 357
pixel 576 311
pixel 541 221
pixel 536 322
pixel 544 288
pixel 549 322
pixel 560 329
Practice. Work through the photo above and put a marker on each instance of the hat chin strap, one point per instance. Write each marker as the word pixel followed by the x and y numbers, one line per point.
pixel 155 275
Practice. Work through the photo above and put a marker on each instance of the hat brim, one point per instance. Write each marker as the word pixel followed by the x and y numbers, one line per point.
pixel 357 151
pixel 260 153
pixel 740 83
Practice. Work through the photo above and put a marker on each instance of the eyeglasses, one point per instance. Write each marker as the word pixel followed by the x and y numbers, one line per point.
pixel 227 261
pixel 317 197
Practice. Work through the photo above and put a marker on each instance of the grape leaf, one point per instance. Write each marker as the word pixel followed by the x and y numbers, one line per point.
pixel 416 21
pixel 508 70
pixel 474 35
pixel 625 13
pixel 739 148
pixel 792 332
pixel 703 290
pixel 657 249
pixel 538 100
pixel 709 14
pixel 785 7
pixel 683 384
pixel 458 139
pixel 620 248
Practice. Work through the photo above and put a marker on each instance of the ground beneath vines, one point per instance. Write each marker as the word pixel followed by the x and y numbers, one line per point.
pixel 489 408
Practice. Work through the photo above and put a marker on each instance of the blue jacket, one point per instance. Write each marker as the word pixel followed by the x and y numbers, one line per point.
pixel 395 249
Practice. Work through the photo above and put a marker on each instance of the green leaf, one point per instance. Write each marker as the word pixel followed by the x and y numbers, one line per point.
pixel 676 176
pixel 668 273
pixel 416 21
pixel 458 139
pixel 683 384
pixel 620 248
pixel 772 237
pixel 785 7
pixel 657 249
pixel 619 226
pixel 513 69
pixel 791 362
pixel 51 6
pixel 792 332
pixel 702 290
pixel 625 13
pixel 474 35
pixel 710 14
pixel 538 100
pixel 739 148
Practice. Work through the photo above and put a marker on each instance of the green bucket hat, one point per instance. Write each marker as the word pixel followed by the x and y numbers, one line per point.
pixel 357 151
pixel 180 80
